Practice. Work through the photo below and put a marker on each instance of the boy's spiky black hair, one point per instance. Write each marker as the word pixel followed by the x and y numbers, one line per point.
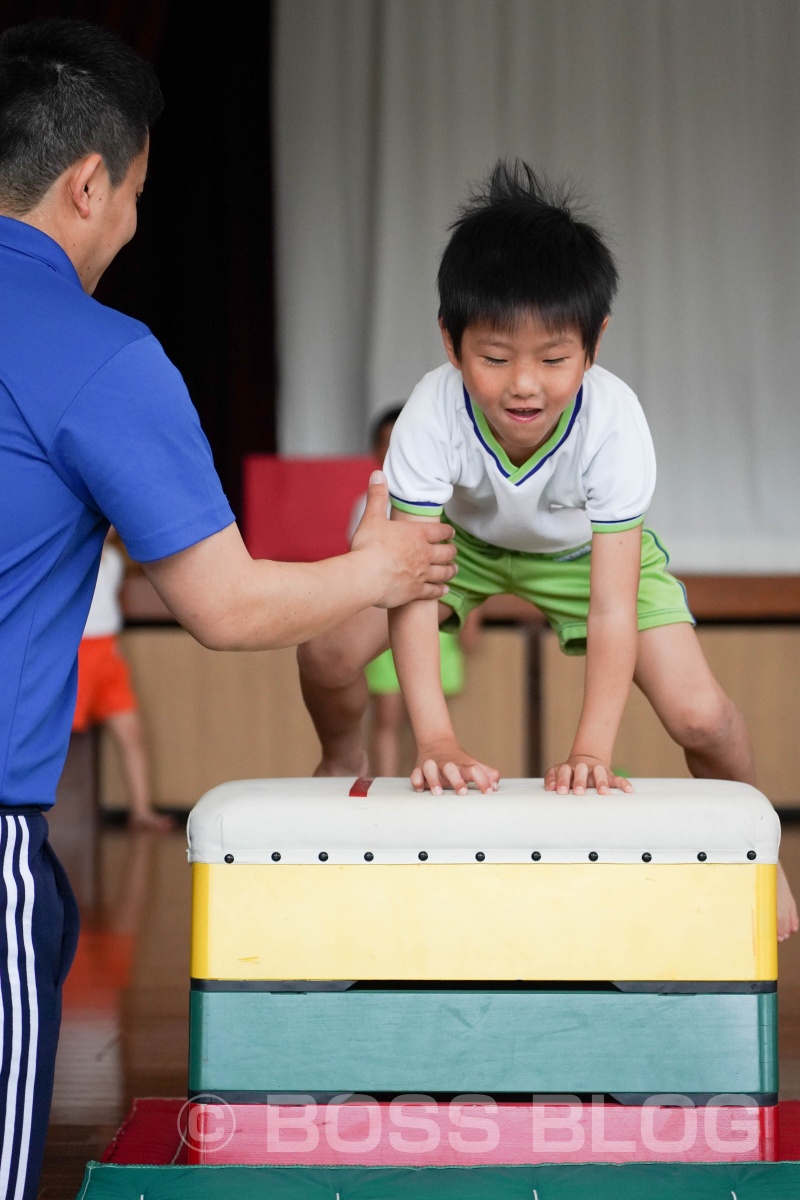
pixel 518 247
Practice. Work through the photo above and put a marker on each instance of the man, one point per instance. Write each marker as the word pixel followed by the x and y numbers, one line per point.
pixel 96 426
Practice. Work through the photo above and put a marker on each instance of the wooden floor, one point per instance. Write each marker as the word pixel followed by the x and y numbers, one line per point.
pixel 124 1032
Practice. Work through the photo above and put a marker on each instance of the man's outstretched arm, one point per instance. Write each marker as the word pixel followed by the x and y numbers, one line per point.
pixel 230 601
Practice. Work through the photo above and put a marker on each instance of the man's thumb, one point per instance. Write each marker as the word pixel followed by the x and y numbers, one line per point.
pixel 378 495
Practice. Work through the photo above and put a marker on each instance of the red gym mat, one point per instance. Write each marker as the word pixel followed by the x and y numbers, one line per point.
pixel 152 1135
pixel 156 1132
pixel 789 1131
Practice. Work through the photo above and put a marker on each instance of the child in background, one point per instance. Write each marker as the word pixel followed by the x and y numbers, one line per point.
pixel 105 696
pixel 386 701
pixel 544 464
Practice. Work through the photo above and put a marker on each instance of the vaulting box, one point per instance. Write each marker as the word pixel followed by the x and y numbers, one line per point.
pixel 330 880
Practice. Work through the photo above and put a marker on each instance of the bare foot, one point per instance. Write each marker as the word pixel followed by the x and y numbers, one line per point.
pixel 329 767
pixel 157 822
pixel 787 909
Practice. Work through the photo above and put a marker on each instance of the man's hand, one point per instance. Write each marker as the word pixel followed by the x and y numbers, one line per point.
pixel 230 601
pixel 582 771
pixel 444 764
pixel 414 559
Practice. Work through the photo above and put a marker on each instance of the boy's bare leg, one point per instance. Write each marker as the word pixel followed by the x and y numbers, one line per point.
pixel 387 717
pixel 672 671
pixel 126 728
pixel 335 690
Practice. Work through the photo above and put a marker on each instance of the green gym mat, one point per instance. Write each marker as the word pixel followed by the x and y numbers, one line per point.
pixel 245 1045
pixel 634 1181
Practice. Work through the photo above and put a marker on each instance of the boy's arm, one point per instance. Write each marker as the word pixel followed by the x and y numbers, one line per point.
pixel 612 633
pixel 441 762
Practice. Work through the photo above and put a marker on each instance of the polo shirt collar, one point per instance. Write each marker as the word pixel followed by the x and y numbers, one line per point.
pixel 25 239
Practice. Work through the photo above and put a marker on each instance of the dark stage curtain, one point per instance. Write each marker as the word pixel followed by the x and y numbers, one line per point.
pixel 200 270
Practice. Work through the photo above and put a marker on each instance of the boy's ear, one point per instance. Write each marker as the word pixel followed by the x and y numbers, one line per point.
pixel 590 358
pixel 448 344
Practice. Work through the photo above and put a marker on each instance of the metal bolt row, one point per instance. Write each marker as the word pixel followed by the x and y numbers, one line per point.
pixel 480 856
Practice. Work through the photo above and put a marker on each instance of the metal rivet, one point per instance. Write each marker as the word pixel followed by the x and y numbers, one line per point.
pixel 423 856
pixel 480 856
pixel 228 858
pixel 593 856
pixel 368 857
pixel 323 856
pixel 276 856
pixel 536 856
pixel 647 856
pixel 751 854
pixel 702 856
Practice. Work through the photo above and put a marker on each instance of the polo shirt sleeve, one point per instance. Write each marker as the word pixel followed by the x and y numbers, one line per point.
pixel 130 446
pixel 620 476
pixel 418 468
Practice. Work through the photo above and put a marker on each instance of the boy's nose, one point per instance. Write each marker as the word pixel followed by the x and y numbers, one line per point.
pixel 525 385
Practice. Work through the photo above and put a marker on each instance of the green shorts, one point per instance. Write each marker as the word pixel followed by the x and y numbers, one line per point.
pixel 558 584
pixel 382 677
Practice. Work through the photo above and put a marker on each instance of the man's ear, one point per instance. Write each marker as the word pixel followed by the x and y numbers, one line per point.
pixel 591 358
pixel 448 344
pixel 82 182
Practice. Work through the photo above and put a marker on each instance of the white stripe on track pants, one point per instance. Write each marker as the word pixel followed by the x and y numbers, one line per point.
pixel 38 937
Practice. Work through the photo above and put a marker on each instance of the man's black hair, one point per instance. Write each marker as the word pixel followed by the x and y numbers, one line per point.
pixel 69 88
pixel 518 247
pixel 387 417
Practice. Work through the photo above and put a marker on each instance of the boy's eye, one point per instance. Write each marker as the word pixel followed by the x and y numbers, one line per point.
pixel 495 362
pixel 553 362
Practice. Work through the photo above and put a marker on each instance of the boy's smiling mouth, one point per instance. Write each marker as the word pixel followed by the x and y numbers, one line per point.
pixel 523 415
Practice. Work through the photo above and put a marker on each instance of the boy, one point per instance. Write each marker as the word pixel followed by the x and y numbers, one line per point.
pixel 545 466
pixel 105 693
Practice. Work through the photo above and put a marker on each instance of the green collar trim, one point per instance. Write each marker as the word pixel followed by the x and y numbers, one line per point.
pixel 513 473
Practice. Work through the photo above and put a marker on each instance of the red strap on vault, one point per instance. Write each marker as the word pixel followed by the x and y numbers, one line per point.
pixel 361 787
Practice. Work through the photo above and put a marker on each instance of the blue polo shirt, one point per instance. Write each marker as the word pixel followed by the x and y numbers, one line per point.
pixel 96 426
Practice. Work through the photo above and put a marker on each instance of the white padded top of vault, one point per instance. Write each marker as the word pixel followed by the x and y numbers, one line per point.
pixel 673 820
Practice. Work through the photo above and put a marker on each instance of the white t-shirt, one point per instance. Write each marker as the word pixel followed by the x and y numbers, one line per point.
pixel 105 615
pixel 596 472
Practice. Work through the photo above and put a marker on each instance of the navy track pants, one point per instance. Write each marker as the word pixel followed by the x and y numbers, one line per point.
pixel 38 937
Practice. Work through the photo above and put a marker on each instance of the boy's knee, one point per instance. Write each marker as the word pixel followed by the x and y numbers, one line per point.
pixel 324 664
pixel 706 720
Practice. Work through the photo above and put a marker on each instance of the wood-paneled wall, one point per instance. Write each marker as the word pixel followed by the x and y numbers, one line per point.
pixel 758 666
pixel 212 717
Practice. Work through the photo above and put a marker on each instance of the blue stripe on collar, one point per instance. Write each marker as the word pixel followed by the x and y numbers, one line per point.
pixel 560 443
pixel 480 436
pixel 506 474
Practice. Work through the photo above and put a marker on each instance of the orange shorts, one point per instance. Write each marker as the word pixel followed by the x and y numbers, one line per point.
pixel 104 683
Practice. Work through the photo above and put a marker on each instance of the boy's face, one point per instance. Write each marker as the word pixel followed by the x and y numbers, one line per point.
pixel 522 379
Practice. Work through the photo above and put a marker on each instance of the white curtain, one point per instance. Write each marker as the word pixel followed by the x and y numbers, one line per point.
pixel 680 118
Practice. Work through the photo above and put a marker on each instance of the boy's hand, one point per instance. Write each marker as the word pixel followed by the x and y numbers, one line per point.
pixel 444 764
pixel 414 560
pixel 582 771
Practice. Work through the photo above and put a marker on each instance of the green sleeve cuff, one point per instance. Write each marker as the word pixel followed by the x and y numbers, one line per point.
pixel 616 526
pixel 417 510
